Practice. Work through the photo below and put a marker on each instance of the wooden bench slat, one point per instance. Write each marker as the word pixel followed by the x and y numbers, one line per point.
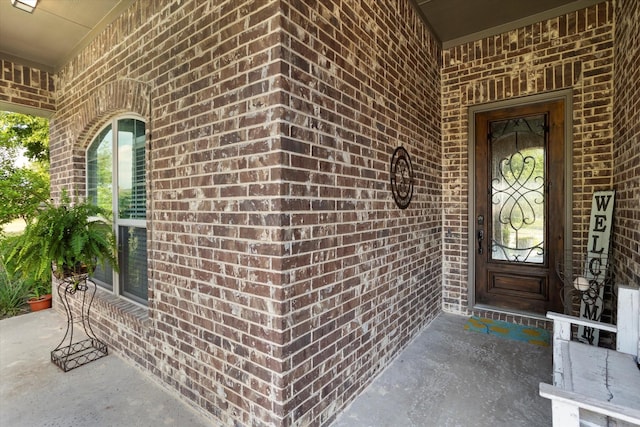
pixel 628 337
pixel 581 322
pixel 589 368
pixel 571 398
pixel 623 378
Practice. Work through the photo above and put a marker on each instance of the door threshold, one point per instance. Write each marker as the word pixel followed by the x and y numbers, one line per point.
pixel 528 314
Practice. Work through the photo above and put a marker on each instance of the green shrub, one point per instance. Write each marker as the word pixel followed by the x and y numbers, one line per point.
pixel 14 292
pixel 17 285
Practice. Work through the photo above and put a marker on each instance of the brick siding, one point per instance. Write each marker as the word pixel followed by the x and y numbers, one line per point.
pixel 362 275
pixel 627 142
pixel 282 275
pixel 27 87
pixel 205 77
pixel 571 51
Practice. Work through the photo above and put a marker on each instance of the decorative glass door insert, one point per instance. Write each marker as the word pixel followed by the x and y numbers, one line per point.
pixel 518 189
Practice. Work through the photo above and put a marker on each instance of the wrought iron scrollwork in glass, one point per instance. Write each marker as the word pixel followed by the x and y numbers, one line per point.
pixel 518 189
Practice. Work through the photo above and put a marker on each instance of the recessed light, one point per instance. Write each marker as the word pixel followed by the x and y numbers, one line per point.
pixel 25 5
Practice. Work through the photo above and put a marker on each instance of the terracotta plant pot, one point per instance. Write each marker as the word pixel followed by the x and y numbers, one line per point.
pixel 41 303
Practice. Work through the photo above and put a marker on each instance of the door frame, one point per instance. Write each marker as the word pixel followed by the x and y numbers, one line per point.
pixel 567 96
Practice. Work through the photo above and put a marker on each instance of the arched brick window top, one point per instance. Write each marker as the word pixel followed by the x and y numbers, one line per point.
pixel 123 96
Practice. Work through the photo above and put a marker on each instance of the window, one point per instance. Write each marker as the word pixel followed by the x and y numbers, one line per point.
pixel 116 181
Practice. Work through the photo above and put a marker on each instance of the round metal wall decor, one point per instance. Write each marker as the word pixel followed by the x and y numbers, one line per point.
pixel 401 177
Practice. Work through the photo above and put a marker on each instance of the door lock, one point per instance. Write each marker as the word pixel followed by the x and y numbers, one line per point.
pixel 480 221
pixel 480 239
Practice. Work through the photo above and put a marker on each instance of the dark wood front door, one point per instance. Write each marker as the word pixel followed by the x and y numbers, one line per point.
pixel 519 218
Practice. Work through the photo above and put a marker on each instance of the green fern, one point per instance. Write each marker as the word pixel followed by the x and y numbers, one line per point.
pixel 68 238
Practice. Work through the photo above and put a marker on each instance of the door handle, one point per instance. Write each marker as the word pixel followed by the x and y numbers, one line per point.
pixel 480 239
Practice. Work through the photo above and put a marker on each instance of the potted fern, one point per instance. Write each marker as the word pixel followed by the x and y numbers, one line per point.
pixel 40 295
pixel 69 239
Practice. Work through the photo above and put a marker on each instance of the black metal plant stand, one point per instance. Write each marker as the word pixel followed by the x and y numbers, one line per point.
pixel 70 354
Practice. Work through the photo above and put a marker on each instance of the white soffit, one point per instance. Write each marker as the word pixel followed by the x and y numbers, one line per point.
pixel 55 30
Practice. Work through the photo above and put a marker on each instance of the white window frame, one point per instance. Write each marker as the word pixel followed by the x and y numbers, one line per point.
pixel 118 222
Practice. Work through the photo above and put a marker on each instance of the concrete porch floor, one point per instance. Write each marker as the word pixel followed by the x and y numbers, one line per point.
pixel 451 377
pixel 107 392
pixel 446 377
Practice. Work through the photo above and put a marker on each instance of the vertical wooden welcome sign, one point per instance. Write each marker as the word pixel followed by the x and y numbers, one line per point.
pixel 597 262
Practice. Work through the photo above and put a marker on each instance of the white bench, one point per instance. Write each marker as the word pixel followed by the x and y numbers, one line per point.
pixel 594 385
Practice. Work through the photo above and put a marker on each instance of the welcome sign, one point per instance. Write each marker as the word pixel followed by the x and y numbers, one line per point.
pixel 597 262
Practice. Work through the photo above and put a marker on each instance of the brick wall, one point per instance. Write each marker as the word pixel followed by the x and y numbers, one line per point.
pixel 205 77
pixel 571 51
pixel 362 275
pixel 626 116
pixel 23 87
pixel 282 277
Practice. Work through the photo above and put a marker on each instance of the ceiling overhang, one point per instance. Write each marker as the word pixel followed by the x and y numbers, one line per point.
pixel 57 30
pixel 456 22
